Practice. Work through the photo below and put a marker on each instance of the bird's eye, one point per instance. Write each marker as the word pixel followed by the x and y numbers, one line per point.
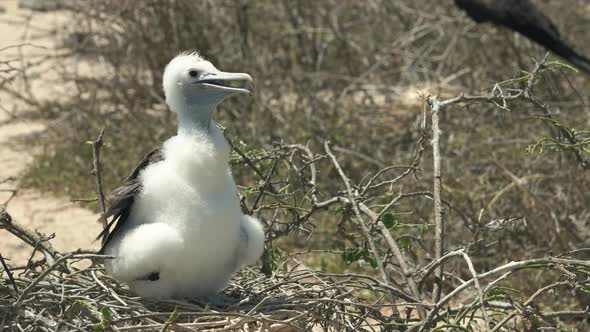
pixel 193 73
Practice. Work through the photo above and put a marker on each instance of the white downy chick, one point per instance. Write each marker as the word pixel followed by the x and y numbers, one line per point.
pixel 177 229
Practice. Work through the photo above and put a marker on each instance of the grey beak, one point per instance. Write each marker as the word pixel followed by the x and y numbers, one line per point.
pixel 218 81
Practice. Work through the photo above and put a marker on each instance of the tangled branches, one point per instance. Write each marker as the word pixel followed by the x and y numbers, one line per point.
pixel 70 291
pixel 65 296
pixel 368 209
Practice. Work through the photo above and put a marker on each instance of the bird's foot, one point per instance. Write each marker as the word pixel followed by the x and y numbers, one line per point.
pixel 219 300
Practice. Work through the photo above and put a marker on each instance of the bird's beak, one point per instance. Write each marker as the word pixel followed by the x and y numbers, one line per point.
pixel 219 81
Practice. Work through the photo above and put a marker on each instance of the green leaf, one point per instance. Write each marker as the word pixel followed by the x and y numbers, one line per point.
pixel 170 319
pixel 351 255
pixel 389 220
pixel 373 261
pixel 275 257
pixel 405 243
pixel 104 320
pixel 106 313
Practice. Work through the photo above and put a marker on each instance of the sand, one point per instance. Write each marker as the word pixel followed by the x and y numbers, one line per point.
pixel 74 227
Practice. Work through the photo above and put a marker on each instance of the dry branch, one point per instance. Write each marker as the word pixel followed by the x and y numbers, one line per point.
pixel 439 227
pixel 97 172
pixel 34 239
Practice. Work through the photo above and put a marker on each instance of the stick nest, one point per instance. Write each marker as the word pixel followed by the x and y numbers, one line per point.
pixel 72 292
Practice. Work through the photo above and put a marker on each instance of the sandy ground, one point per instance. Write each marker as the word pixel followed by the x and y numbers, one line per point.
pixel 74 227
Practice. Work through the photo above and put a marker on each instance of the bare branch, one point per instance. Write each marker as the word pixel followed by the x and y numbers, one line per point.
pixel 97 171
pixel 435 107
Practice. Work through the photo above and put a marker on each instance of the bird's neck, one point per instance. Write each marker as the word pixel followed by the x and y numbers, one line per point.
pixel 196 117
pixel 200 156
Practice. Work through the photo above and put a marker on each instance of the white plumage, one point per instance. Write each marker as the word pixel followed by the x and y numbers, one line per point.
pixel 185 224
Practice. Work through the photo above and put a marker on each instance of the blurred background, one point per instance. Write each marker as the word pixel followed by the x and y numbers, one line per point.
pixel 352 72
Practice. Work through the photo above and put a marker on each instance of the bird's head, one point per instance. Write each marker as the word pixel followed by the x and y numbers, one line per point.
pixel 193 87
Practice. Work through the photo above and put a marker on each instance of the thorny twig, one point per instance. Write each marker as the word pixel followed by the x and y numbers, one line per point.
pixel 9 274
pixel 97 172
pixel 480 292
pixel 31 238
pixel 434 104
pixel 357 213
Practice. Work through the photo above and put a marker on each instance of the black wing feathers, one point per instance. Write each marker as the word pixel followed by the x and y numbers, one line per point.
pixel 524 17
pixel 122 199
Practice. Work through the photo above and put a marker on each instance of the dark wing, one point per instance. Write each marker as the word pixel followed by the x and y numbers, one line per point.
pixel 524 17
pixel 480 11
pixel 122 199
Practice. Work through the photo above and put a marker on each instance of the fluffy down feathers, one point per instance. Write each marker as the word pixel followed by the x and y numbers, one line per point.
pixel 185 223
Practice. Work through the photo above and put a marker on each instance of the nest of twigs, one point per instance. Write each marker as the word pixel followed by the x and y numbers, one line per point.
pixel 71 292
